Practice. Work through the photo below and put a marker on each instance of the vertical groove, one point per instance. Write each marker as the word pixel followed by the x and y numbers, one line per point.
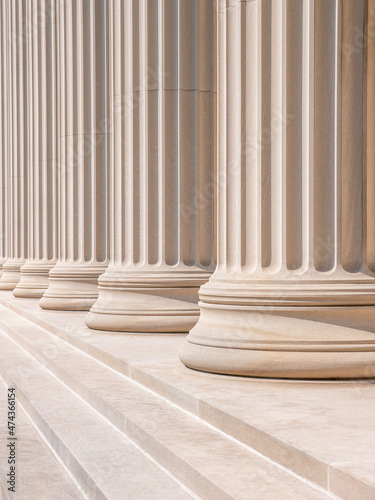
pixel 324 134
pixel 63 119
pixel 127 131
pixel 153 132
pixel 232 134
pixel 251 150
pixel 370 134
pixel 190 149
pixel 265 133
pixel 162 72
pixel 352 135
pixel 277 131
pixel 307 138
pixel 245 135
pixel 206 126
pixel 171 131
pixel 136 129
pixel 294 128
pixel 143 118
pixel 222 143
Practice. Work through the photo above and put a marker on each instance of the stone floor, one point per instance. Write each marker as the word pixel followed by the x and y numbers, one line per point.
pixel 116 416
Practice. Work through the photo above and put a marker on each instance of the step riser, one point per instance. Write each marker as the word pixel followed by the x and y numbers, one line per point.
pixel 104 462
pixel 115 417
pixel 189 476
pixel 86 482
pixel 147 421
pixel 297 461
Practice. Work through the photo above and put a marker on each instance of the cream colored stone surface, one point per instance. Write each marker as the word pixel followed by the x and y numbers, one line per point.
pixel 293 253
pixel 16 141
pixel 82 158
pixel 142 143
pixel 4 136
pixel 39 473
pixel 41 26
pixel 162 165
pixel 309 427
pixel 353 480
pixel 172 437
pixel 104 463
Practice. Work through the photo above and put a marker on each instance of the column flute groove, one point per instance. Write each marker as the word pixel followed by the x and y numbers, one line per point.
pixel 162 89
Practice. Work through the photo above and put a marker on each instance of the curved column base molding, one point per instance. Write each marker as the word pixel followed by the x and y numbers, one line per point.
pixel 72 288
pixel 11 274
pixel 157 303
pixel 283 342
pixel 279 364
pixel 34 280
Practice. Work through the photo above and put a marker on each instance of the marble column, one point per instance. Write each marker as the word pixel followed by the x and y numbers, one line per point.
pixel 82 155
pixel 4 128
pixel 16 164
pixel 294 291
pixel 42 161
pixel 162 165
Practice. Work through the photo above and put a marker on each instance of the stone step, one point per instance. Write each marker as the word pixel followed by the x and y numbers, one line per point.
pixel 209 463
pixel 105 464
pixel 322 431
pixel 39 474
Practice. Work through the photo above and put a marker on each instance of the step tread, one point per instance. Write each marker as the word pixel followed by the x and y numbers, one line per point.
pixel 110 465
pixel 291 422
pixel 39 473
pixel 196 454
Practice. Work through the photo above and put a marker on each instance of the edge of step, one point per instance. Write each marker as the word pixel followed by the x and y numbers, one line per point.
pixel 151 429
pixel 301 463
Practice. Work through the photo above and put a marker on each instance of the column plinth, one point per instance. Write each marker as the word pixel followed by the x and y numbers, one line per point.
pixel 72 287
pixel 291 329
pixel 147 300
pixel 293 294
pixel 33 279
pixel 161 167
pixel 11 273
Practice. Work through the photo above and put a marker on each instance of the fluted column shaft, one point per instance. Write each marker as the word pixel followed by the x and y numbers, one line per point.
pixel 4 128
pixel 82 175
pixel 16 165
pixel 294 287
pixel 42 161
pixel 162 165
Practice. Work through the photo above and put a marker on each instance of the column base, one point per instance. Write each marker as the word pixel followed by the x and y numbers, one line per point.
pixel 153 303
pixel 34 280
pixel 279 364
pixel 308 342
pixel 11 274
pixel 72 288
